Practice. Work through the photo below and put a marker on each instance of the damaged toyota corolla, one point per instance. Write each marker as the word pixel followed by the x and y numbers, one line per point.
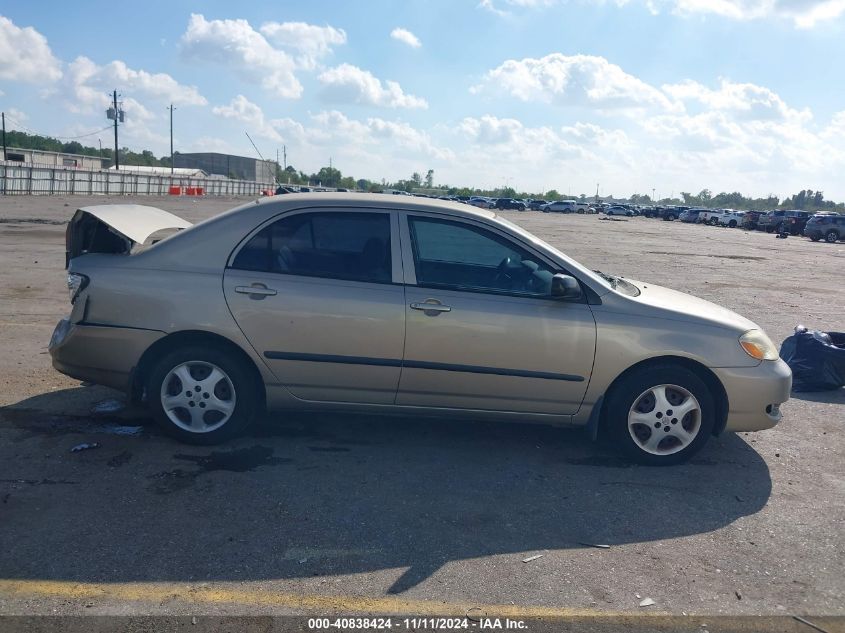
pixel 404 306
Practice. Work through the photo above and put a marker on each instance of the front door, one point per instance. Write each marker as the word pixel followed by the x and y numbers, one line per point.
pixel 483 331
pixel 319 296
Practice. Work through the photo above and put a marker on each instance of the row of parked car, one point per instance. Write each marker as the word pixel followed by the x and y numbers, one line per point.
pixel 826 226
pixel 548 206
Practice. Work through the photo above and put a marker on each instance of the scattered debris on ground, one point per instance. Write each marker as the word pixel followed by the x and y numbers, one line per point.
pixel 111 405
pixel 530 558
pixel 85 446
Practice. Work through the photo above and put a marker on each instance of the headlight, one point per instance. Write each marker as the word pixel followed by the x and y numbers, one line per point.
pixel 75 284
pixel 757 345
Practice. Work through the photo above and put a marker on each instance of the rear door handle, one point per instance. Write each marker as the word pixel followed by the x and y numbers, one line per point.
pixel 431 307
pixel 259 289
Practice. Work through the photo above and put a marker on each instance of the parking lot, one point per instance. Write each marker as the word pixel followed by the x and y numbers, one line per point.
pixel 351 514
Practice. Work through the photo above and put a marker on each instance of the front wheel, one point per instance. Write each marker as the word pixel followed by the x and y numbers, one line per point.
pixel 202 395
pixel 831 237
pixel 660 415
pixel 732 224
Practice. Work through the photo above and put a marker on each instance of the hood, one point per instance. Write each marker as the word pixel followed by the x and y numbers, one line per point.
pixel 684 307
pixel 116 228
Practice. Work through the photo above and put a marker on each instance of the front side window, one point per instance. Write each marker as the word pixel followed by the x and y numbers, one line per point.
pixel 351 246
pixel 460 256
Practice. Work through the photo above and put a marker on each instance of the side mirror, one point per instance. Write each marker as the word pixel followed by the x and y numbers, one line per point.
pixel 565 287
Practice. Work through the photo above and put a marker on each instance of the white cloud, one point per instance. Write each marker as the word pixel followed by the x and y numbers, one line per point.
pixel 803 13
pixel 25 55
pixel 489 6
pixel 406 137
pixel 583 80
pixel 406 37
pixel 236 44
pixel 310 41
pixel 90 83
pixel 373 147
pixel 15 119
pixel 350 84
pixel 744 100
pixel 242 109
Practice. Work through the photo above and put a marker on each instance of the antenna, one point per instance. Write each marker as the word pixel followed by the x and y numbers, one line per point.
pixel 253 145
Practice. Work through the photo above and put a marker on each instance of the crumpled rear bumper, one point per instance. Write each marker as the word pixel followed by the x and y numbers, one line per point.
pixel 106 355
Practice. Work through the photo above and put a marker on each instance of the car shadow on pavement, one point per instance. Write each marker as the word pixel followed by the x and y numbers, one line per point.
pixel 332 494
pixel 834 396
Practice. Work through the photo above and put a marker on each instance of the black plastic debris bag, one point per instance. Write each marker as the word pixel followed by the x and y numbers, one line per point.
pixel 817 359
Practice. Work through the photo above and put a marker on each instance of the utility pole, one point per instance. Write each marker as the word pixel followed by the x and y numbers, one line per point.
pixel 285 156
pixel 100 141
pixel 171 108
pixel 4 135
pixel 116 155
pixel 116 113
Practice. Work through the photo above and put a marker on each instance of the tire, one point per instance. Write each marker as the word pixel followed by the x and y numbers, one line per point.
pixel 228 403
pixel 815 238
pixel 732 224
pixel 831 237
pixel 632 410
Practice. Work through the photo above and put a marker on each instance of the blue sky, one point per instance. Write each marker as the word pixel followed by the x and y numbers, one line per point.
pixel 671 95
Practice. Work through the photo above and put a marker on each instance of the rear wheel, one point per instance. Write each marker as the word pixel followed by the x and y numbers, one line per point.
pixel 814 238
pixel 202 395
pixel 831 237
pixel 660 415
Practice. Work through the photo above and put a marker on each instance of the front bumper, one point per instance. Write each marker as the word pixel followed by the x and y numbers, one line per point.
pixel 105 355
pixel 755 394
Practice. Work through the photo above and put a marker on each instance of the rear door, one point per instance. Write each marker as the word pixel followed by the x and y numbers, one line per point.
pixel 482 329
pixel 319 295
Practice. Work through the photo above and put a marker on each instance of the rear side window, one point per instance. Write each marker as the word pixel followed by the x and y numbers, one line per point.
pixel 350 246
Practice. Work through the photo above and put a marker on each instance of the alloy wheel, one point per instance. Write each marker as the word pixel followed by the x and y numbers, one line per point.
pixel 664 419
pixel 198 396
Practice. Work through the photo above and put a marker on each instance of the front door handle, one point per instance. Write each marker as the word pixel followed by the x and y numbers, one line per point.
pixel 256 291
pixel 431 307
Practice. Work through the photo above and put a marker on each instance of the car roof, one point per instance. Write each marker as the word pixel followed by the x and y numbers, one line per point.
pixel 376 200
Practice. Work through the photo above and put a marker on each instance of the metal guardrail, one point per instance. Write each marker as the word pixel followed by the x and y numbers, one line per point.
pixel 28 179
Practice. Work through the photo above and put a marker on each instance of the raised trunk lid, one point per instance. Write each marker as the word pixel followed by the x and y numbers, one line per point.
pixel 116 228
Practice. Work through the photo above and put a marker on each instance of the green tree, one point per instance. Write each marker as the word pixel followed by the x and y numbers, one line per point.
pixel 326 177
pixel 429 179
pixel 552 194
